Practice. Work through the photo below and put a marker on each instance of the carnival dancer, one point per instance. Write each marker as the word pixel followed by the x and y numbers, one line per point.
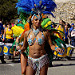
pixel 36 37
pixel 18 33
pixel 23 56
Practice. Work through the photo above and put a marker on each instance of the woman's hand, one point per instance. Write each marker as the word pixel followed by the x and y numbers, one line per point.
pixel 17 53
pixel 18 47
pixel 59 50
pixel 2 39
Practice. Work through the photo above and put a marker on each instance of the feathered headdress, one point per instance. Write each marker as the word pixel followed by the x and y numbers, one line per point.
pixel 36 6
pixel 31 7
pixel 40 7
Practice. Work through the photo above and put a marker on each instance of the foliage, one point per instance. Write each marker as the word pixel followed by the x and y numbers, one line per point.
pixel 8 10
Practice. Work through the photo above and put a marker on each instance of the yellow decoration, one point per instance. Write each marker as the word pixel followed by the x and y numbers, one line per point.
pixel 5 49
pixel 62 55
pixel 46 25
pixel 68 51
pixel 61 29
pixel 49 23
pixel 10 51
pixel 17 30
pixel 0 49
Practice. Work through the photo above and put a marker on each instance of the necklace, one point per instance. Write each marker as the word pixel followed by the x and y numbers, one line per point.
pixel 35 31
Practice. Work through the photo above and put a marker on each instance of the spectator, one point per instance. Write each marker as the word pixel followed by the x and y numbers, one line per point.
pixel 66 34
pixel 69 26
pixel 1 31
pixel 72 26
pixel 60 27
pixel 8 33
pixel 73 37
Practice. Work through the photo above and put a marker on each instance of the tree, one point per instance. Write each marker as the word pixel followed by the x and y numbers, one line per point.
pixel 8 10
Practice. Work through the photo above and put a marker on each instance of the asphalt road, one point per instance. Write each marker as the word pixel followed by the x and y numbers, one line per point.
pixel 63 67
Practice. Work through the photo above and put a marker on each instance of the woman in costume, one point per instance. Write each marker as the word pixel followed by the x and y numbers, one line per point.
pixel 37 37
pixel 18 30
pixel 23 56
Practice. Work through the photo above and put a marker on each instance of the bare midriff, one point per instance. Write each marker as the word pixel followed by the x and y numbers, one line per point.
pixel 36 51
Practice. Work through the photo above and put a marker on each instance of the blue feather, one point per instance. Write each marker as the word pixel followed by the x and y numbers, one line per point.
pixel 44 6
pixel 19 0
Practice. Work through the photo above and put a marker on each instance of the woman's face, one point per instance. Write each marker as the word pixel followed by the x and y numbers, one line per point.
pixel 60 22
pixel 74 27
pixel 66 26
pixel 9 26
pixel 36 22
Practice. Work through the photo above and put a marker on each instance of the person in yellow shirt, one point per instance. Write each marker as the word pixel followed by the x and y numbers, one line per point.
pixel 8 33
pixel 61 27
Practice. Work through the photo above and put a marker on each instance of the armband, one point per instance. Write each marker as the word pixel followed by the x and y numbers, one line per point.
pixel 56 48
pixel 19 51
pixel 17 44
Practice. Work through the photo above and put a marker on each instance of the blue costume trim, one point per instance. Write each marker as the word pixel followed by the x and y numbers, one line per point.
pixel 36 6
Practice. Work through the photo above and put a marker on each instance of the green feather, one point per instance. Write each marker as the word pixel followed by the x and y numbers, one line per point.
pixel 58 31
pixel 58 41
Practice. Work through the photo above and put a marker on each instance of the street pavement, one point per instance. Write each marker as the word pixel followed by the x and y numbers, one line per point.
pixel 64 67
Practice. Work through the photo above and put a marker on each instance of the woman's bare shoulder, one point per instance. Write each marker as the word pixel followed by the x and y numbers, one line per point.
pixel 27 32
pixel 46 33
pixel 5 29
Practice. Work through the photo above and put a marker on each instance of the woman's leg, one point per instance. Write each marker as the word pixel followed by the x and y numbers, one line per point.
pixel 30 71
pixel 23 64
pixel 44 69
pixel 14 54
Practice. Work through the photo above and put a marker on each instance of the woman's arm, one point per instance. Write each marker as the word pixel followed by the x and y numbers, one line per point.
pixel 24 43
pixel 51 45
pixel 57 27
pixel 4 34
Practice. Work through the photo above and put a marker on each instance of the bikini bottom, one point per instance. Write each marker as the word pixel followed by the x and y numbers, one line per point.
pixel 39 62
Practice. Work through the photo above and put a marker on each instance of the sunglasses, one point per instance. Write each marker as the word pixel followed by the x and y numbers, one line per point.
pixel 36 19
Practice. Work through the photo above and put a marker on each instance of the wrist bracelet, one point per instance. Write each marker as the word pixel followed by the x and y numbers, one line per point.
pixel 19 51
pixel 56 48
pixel 17 44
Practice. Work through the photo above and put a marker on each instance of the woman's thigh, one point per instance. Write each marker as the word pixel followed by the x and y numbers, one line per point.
pixel 23 63
pixel 44 69
pixel 30 71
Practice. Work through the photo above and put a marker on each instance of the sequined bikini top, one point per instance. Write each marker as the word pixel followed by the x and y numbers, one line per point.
pixel 31 39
